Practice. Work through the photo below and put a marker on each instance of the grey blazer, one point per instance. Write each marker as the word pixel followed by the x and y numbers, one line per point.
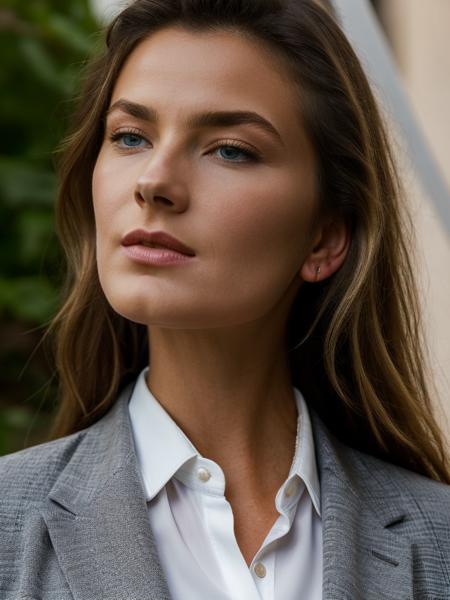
pixel 74 525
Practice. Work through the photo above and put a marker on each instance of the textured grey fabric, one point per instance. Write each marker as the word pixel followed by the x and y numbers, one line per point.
pixel 74 525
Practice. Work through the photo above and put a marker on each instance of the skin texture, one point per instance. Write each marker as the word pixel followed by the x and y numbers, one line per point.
pixel 216 324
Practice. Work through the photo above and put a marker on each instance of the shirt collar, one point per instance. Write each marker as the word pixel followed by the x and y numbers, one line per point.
pixel 304 464
pixel 168 452
pixel 161 446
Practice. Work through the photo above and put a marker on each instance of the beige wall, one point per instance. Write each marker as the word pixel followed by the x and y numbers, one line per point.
pixel 420 35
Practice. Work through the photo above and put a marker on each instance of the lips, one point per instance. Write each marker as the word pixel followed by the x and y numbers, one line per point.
pixel 156 239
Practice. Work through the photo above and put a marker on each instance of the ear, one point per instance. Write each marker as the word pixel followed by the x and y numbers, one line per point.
pixel 328 252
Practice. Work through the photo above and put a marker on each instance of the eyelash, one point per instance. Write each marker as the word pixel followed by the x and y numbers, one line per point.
pixel 251 155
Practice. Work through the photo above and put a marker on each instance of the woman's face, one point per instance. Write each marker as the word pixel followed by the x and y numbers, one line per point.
pixel 246 212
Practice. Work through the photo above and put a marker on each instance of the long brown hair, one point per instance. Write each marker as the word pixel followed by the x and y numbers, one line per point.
pixel 354 341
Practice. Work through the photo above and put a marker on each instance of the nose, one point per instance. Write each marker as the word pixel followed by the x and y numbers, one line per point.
pixel 159 186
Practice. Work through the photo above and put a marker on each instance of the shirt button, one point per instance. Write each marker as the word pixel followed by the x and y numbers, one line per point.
pixel 292 486
pixel 203 474
pixel 260 570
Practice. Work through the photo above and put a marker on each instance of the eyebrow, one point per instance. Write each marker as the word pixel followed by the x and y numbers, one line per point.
pixel 211 118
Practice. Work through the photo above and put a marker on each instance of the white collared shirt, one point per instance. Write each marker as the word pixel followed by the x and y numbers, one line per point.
pixel 192 520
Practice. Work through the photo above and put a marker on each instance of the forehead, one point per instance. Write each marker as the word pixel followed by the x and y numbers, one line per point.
pixel 177 71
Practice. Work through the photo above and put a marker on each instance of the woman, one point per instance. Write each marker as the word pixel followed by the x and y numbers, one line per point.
pixel 244 411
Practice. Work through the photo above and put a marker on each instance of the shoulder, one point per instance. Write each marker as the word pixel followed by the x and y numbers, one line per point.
pixel 403 502
pixel 392 489
pixel 422 489
pixel 27 476
pixel 376 479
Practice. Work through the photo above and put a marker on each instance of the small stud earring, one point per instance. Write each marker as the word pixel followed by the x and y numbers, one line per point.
pixel 317 271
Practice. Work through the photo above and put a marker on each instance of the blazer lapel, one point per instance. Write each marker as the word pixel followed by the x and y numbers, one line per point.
pixel 363 557
pixel 97 517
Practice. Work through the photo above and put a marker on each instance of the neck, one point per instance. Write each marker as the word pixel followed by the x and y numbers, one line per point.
pixel 232 396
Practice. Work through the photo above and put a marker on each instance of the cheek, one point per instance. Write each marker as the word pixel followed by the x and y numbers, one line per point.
pixel 262 238
pixel 268 223
pixel 101 184
pixel 108 196
pixel 111 193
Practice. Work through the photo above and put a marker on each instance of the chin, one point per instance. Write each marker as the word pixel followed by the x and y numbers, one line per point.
pixel 169 315
pixel 144 309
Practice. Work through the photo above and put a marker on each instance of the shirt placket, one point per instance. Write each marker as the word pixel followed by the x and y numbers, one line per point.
pixel 263 564
pixel 262 570
pixel 208 481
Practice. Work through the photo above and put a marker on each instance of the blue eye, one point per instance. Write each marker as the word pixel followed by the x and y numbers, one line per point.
pixel 238 149
pixel 131 139
pixel 128 138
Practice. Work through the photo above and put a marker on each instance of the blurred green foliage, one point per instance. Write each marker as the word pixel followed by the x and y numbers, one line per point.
pixel 44 45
